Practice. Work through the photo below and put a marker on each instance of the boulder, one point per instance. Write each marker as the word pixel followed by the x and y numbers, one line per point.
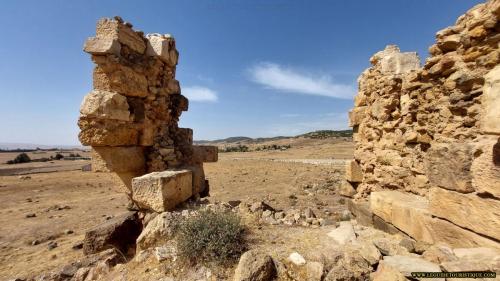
pixel 255 266
pixel 353 171
pixel 389 247
pixel 361 211
pixel 343 234
pixel 350 267
pixel 158 231
pixel 162 191
pixel 439 253
pixel 119 232
pixel 367 250
pixel 346 189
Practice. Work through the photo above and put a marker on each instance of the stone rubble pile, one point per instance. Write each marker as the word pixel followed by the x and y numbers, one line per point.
pixel 427 149
pixel 131 117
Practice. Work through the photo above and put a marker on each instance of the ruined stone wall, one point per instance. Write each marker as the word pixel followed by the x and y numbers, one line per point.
pixel 131 116
pixel 427 149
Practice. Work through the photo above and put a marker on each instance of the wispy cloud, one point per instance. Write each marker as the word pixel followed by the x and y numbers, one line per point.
pixel 329 121
pixel 289 80
pixel 200 94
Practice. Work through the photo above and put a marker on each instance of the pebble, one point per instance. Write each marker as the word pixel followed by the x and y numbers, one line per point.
pixel 52 245
pixel 30 215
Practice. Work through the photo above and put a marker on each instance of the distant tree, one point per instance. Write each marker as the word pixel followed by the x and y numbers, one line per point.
pixel 59 156
pixel 20 158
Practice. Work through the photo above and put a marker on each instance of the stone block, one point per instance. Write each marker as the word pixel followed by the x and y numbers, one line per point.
pixel 485 167
pixel 102 46
pixel 97 133
pixel 490 120
pixel 162 46
pixel 353 172
pixel 105 105
pixel 405 211
pixel 198 178
pixel 162 191
pixel 361 210
pixel 392 61
pixel 407 264
pixel 356 115
pixel 120 79
pixel 205 153
pixel 118 159
pixel 480 215
pixel 448 166
pixel 119 232
pixel 110 28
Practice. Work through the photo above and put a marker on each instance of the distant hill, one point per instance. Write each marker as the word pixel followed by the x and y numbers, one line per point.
pixel 31 146
pixel 323 134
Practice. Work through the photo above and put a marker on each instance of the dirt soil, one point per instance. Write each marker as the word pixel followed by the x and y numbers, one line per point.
pixel 42 208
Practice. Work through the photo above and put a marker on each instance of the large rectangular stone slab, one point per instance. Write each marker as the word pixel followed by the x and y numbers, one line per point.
pixel 405 211
pixel 361 210
pixel 162 191
pixel 118 159
pixel 205 153
pixel 110 28
pixel 102 46
pixel 485 167
pixel 480 215
pixel 490 121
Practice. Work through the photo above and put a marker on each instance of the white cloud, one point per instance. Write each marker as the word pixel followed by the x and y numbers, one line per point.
pixel 200 94
pixel 286 79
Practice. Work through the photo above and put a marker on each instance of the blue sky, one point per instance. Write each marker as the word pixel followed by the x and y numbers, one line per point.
pixel 252 68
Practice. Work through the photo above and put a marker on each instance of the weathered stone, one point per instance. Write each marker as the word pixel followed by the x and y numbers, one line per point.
pixel 119 232
pixel 102 46
pixel 367 250
pixel 448 166
pixel 449 43
pixel 205 153
pixel 105 105
pixel 162 46
pixel 439 253
pixel 356 116
pixel 343 234
pixel 406 265
pixel 490 120
pixel 393 61
pixel 485 167
pixel 346 189
pixel 296 259
pixel 361 211
pixel 353 171
pixel 118 159
pixel 120 79
pixel 158 231
pixel 255 266
pixel 351 266
pixel 162 191
pixel 108 28
pixel 481 215
pixel 389 247
pixel 96 133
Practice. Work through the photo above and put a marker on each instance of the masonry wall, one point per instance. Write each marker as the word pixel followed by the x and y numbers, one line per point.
pixel 130 118
pixel 429 136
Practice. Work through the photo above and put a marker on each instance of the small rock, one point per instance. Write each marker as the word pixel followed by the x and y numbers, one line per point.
pixel 68 231
pixel 52 245
pixel 343 234
pixel 255 266
pixel 389 247
pixel 77 246
pixel 308 213
pixel 35 242
pixel 24 177
pixel 296 259
pixel 30 215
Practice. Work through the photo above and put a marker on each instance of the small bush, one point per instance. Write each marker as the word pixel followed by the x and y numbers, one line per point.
pixel 213 237
pixel 59 156
pixel 21 158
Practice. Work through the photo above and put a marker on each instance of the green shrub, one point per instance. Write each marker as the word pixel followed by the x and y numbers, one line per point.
pixel 213 237
pixel 21 158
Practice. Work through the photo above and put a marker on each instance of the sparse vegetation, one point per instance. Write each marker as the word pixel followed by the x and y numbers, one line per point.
pixel 58 156
pixel 273 147
pixel 21 158
pixel 211 237
pixel 323 134
pixel 238 148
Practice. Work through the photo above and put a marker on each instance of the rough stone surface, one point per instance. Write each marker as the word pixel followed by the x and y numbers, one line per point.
pixel 435 127
pixel 343 234
pixel 406 265
pixel 353 171
pixel 158 231
pixel 162 191
pixel 255 266
pixel 119 232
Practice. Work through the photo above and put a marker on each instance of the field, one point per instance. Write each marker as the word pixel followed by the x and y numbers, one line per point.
pixel 51 204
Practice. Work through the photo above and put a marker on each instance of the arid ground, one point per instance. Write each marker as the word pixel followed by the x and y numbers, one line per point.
pixel 41 208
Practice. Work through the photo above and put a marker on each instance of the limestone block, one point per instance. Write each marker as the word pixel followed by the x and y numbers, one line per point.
pixel 105 105
pixel 481 215
pixel 405 211
pixel 356 115
pixel 392 61
pixel 162 191
pixel 448 166
pixel 490 120
pixel 343 234
pixel 205 153
pixel 361 211
pixel 102 46
pixel 198 178
pixel 455 236
pixel 353 172
pixel 118 159
pixel 162 46
pixel 123 80
pixel 485 168
pixel 449 43
pixel 96 133
pixel 110 28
